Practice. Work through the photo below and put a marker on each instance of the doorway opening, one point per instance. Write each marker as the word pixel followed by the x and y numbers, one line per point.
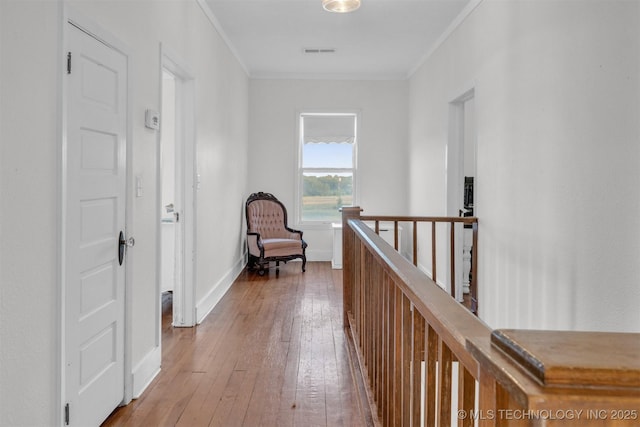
pixel 176 210
pixel 170 229
pixel 461 183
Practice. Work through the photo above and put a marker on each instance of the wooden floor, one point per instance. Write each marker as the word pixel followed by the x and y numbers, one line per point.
pixel 271 353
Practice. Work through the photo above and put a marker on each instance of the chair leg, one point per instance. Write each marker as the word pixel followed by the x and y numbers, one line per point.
pixel 304 262
pixel 255 264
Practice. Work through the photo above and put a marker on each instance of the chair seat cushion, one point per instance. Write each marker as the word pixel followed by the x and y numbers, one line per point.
pixel 281 247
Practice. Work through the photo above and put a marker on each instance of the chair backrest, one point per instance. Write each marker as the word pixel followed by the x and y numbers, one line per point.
pixel 266 215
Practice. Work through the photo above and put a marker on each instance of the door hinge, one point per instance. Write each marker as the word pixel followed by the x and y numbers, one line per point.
pixel 69 63
pixel 66 414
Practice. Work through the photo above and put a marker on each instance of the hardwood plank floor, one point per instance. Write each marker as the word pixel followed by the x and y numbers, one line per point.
pixel 271 353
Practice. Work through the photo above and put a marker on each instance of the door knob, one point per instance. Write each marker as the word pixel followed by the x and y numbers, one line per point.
pixel 123 244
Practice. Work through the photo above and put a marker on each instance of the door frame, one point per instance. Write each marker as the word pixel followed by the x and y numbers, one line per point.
pixel 454 180
pixel 184 311
pixel 70 16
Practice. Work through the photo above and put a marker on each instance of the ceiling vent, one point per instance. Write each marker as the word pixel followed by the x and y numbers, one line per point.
pixel 314 50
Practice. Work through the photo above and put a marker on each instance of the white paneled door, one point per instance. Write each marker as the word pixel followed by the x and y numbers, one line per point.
pixel 94 268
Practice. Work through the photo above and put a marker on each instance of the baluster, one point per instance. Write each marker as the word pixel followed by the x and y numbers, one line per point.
pixel 466 395
pixel 473 291
pixel 391 330
pixel 406 360
pixel 415 243
pixel 418 357
pixel 487 398
pixel 466 259
pixel 431 395
pixel 397 367
pixel 452 280
pixel 433 252
pixel 445 360
pixel 395 236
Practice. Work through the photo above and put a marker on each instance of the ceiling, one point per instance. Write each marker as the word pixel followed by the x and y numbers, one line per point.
pixel 384 39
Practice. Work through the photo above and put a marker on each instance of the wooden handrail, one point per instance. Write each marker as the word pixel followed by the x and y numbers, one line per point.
pixel 409 336
pixel 434 220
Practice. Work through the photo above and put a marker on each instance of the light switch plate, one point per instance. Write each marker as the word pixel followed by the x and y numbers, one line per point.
pixel 138 186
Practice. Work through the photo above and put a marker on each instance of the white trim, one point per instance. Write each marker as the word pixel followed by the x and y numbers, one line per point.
pixel 329 76
pixel 468 92
pixel 454 183
pixel 130 231
pixel 145 371
pixel 470 7
pixel 184 302
pixel 216 25
pixel 454 186
pixel 208 303
pixel 178 64
pixel 59 400
pixel 298 170
pixel 320 255
pixel 158 294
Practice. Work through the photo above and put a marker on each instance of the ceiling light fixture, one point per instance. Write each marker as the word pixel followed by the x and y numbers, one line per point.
pixel 340 6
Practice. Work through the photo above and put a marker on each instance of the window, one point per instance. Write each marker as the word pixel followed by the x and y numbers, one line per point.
pixel 327 165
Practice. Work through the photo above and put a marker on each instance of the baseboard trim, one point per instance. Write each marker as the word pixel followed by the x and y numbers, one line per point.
pixel 206 304
pixel 319 255
pixel 145 371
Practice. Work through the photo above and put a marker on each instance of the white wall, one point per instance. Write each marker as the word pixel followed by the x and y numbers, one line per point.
pixel 557 106
pixel 30 55
pixel 29 33
pixel 381 150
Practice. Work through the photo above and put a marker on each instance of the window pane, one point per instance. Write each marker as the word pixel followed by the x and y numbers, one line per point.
pixel 327 156
pixel 324 194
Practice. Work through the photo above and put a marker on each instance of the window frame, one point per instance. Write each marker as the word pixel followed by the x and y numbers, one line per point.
pixel 300 170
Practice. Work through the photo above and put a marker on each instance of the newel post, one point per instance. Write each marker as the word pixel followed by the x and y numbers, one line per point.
pixel 348 259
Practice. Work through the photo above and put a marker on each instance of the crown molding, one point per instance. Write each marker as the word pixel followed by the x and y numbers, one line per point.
pixel 471 6
pixel 216 25
pixel 329 76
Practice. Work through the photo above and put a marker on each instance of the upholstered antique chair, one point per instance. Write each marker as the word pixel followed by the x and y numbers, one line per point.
pixel 268 236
